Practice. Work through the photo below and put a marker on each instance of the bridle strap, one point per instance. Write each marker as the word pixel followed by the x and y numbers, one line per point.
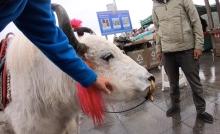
pixel 129 109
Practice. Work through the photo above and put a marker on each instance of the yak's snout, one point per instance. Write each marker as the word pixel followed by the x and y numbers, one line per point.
pixel 151 78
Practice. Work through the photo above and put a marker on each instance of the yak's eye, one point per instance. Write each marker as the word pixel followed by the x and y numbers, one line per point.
pixel 107 56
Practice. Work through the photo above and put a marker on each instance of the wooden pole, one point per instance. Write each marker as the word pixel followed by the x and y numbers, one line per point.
pixel 209 13
pixel 106 37
pixel 210 24
pixel 218 9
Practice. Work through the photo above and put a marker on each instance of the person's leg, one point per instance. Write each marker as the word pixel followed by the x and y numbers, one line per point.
pixel 190 67
pixel 172 71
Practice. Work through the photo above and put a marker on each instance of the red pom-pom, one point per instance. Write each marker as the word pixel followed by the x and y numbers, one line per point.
pixel 91 103
pixel 75 23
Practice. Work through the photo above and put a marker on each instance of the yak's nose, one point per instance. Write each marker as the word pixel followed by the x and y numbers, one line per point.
pixel 151 78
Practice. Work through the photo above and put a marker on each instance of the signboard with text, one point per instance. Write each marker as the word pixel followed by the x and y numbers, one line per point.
pixel 114 22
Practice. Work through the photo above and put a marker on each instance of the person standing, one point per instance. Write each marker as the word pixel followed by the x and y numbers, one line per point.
pixel 180 39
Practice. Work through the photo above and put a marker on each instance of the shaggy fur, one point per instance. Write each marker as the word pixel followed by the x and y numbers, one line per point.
pixel 43 100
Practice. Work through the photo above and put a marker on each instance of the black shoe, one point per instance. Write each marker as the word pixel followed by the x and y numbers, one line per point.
pixel 206 117
pixel 173 110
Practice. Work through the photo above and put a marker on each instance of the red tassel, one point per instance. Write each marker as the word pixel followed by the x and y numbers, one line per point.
pixel 75 23
pixel 91 103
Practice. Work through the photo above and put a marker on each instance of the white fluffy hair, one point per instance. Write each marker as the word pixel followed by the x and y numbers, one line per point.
pixel 43 99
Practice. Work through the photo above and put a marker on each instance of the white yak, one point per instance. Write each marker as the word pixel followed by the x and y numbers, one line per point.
pixel 43 96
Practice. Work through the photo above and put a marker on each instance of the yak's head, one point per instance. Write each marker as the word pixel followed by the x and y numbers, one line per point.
pixel 127 77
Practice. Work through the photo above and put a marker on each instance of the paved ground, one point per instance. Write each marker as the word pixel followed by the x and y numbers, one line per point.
pixel 150 118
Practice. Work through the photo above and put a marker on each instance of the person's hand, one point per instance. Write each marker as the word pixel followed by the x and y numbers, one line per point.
pixel 197 53
pixel 103 85
pixel 159 56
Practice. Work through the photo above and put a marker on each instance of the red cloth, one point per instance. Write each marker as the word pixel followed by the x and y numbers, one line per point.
pixel 91 103
pixel 75 23
pixel 3 47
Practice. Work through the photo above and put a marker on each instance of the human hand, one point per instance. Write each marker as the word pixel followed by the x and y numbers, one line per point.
pixel 197 53
pixel 102 84
pixel 159 56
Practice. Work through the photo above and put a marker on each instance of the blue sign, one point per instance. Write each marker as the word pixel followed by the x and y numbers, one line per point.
pixel 114 22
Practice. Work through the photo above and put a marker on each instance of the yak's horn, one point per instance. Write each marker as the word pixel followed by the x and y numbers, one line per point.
pixel 64 24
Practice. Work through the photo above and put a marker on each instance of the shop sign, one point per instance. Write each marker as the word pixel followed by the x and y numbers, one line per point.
pixel 114 22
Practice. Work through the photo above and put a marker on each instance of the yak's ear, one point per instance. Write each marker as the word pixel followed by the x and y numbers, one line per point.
pixel 88 61
pixel 81 30
pixel 90 64
pixel 64 24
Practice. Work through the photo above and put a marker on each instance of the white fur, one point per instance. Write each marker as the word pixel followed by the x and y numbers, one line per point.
pixel 125 74
pixel 43 100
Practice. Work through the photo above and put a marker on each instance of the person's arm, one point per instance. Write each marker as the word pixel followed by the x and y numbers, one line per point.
pixel 37 22
pixel 10 10
pixel 195 23
pixel 158 40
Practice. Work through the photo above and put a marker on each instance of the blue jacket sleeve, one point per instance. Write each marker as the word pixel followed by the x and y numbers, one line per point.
pixel 10 11
pixel 37 22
